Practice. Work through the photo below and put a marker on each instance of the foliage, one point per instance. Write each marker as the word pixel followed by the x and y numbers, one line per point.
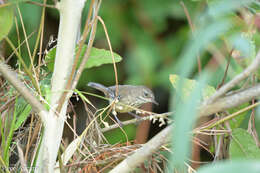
pixel 161 50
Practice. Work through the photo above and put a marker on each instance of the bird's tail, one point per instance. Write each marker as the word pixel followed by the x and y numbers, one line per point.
pixel 99 87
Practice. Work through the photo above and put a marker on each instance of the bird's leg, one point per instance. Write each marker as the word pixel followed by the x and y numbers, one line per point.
pixel 117 120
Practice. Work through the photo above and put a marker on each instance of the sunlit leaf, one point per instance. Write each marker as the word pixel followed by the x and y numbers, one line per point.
pixel 188 87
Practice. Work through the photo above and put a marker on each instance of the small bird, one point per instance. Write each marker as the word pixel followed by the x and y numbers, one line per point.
pixel 128 97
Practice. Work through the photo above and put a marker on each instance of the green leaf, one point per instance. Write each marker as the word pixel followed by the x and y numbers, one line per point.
pixel 6 20
pixel 23 116
pixel 243 145
pixel 118 136
pixel 188 87
pixel 22 111
pixel 97 57
pixel 184 118
pixel 45 85
pixel 238 166
pixel 237 121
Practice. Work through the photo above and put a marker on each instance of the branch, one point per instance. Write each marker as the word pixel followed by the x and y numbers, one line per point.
pixel 70 16
pixel 231 101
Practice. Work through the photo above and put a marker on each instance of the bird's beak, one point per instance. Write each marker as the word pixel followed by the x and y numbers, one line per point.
pixel 155 102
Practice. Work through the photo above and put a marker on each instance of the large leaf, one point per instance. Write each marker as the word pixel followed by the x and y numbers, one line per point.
pixel 6 20
pixel 243 145
pixel 97 57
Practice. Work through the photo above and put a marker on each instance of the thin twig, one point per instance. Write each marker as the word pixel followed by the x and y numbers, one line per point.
pixel 42 5
pixel 111 51
pixel 29 52
pixel 19 44
pixel 26 69
pixel 4 106
pixel 90 44
pixel 226 70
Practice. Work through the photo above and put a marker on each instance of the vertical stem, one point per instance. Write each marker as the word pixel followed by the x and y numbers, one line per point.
pixel 70 16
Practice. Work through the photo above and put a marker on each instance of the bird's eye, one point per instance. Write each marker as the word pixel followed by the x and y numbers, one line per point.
pixel 146 94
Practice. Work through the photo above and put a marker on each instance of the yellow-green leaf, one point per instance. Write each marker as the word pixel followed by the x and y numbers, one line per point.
pixel 188 86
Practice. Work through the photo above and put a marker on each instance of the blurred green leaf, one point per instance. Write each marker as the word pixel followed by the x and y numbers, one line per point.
pixel 255 7
pixel 237 166
pixel 188 87
pixel 219 8
pixel 142 62
pixel 202 37
pixel 16 1
pixel 184 119
pixel 97 57
pixel 243 145
pixel 244 47
pixel 6 20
